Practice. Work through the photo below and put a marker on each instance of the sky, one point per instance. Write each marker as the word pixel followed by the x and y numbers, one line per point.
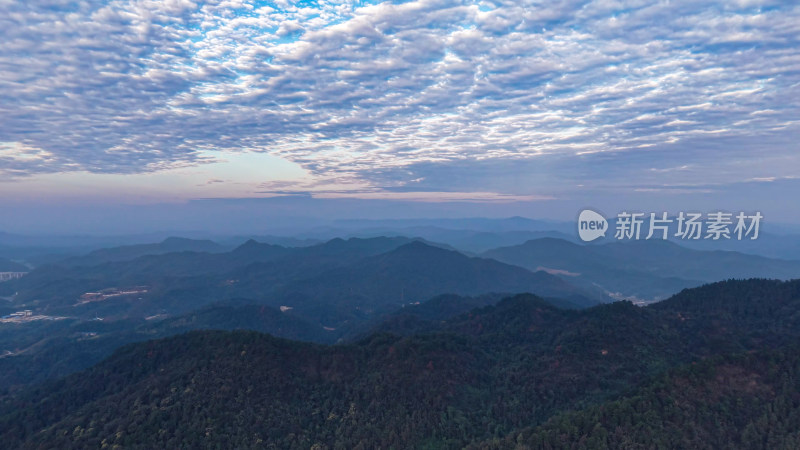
pixel 139 114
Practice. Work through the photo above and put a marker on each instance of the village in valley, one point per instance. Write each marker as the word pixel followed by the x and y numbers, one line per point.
pixel 26 316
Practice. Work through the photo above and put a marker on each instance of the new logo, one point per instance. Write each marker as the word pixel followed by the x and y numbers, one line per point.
pixel 591 225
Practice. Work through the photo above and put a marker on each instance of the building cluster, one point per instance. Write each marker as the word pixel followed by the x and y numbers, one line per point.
pixel 19 314
pixel 26 316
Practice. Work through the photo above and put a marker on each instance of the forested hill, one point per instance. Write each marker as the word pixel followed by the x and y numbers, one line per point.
pixel 736 402
pixel 482 378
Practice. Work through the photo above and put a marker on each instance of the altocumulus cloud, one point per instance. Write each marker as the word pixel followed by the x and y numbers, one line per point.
pixel 391 95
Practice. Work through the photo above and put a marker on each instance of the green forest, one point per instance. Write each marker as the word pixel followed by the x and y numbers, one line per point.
pixel 712 367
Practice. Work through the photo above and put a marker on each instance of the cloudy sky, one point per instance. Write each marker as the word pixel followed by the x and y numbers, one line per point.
pixel 543 103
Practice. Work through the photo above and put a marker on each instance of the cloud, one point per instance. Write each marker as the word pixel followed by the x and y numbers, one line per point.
pixel 213 181
pixel 612 93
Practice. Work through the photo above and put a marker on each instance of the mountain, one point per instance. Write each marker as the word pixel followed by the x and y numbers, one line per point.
pixel 411 273
pixel 284 241
pixel 166 275
pixel 348 250
pixel 520 370
pixel 648 269
pixel 467 235
pixel 426 316
pixel 742 401
pixel 322 293
pixel 129 252
pixel 253 251
pixel 343 280
pixel 43 350
pixel 474 224
pixel 240 314
pixel 69 281
pixel 469 241
pixel 483 241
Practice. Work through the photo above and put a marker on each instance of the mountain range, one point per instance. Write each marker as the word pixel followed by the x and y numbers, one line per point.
pixel 326 292
pixel 519 373
pixel 646 269
pixel 321 293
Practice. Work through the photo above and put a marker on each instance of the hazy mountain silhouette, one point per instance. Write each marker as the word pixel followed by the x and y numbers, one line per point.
pixel 647 269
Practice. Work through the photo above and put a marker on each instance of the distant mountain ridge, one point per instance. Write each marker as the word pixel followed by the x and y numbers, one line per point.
pixel 648 269
pixel 408 273
pixel 129 252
